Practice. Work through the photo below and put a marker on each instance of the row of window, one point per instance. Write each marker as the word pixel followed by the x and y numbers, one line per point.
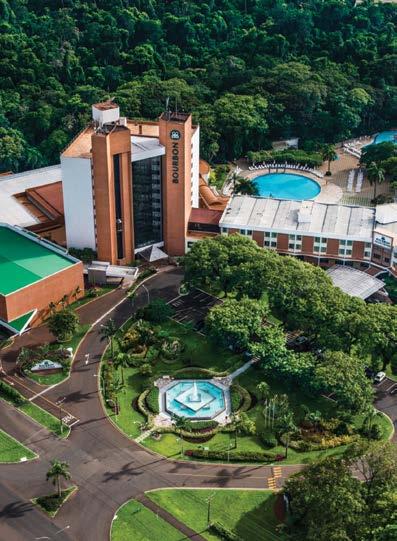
pixel 345 248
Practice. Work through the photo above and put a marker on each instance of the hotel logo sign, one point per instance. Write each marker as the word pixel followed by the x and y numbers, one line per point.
pixel 175 135
pixel 382 240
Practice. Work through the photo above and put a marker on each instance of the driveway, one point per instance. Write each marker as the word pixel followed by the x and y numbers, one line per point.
pixel 108 468
pixel 386 402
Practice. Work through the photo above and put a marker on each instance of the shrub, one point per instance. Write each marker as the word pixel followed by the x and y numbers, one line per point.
pixel 86 255
pixel 12 394
pixel 246 399
pixel 152 400
pixel 141 405
pixel 198 373
pixel 224 533
pixel 373 433
pixel 50 503
pixel 152 354
pixel 235 398
pixel 63 324
pixel 268 440
pixel 323 444
pixel 145 369
pixel 157 311
pixel 130 340
pixel 235 456
pixel 201 425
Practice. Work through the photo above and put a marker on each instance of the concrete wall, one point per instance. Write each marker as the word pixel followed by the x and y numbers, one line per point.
pixel 195 167
pixel 78 202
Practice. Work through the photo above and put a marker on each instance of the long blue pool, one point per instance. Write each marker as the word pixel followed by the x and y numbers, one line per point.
pixel 287 186
pixel 390 135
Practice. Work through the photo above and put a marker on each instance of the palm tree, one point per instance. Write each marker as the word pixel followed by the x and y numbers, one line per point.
pixel 64 301
pixel 328 153
pixel 121 361
pixel 244 186
pixel 57 471
pixel 180 424
pixel 286 426
pixel 376 175
pixel 52 307
pixel 117 386
pixel 107 331
pixel 263 389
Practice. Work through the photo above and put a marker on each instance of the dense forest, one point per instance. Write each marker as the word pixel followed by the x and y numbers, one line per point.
pixel 251 71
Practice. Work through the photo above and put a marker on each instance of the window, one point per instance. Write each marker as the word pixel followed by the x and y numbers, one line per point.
pixel 345 248
pixel 367 250
pixel 295 243
pixel 320 245
pixel 270 239
pixel 246 232
pixel 224 230
pixel 190 243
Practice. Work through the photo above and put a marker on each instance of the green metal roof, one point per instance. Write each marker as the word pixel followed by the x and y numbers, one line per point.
pixel 24 261
pixel 20 323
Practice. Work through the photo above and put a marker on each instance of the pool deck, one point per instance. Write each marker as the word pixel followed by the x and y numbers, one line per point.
pixel 334 187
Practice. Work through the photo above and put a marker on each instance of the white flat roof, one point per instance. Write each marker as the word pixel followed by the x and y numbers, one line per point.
pixel 302 217
pixel 143 148
pixel 354 282
pixel 11 210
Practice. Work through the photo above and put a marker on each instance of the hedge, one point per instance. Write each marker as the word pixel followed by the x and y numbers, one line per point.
pixel 198 373
pixel 235 456
pixel 245 398
pixel 202 425
pixel 141 405
pixel 152 400
pixel 224 533
pixel 12 394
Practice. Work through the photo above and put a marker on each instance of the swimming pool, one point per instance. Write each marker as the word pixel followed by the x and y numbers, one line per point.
pixel 382 137
pixel 287 186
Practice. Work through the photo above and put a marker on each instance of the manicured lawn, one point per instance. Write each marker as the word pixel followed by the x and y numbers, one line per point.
pixel 11 450
pixel 45 419
pixel 102 290
pixel 198 351
pixel 52 379
pixel 137 523
pixel 201 352
pixel 249 513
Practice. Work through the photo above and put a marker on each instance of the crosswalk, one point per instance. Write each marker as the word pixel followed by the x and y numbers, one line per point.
pixel 276 474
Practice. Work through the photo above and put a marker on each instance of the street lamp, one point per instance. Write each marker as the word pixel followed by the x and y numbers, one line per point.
pixel 60 412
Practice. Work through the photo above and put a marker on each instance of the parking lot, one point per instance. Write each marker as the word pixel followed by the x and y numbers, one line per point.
pixel 192 308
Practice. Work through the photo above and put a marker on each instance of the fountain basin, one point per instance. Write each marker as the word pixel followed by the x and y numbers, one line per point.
pixel 195 399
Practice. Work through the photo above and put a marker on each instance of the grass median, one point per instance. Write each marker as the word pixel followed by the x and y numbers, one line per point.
pixel 12 450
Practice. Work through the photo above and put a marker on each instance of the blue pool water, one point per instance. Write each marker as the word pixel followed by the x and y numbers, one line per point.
pixel 287 186
pixel 390 135
pixel 196 399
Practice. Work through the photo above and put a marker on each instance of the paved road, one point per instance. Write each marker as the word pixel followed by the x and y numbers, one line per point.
pixel 387 403
pixel 108 468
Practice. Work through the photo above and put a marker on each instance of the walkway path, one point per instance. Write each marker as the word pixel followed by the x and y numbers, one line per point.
pixel 108 468
pixel 243 368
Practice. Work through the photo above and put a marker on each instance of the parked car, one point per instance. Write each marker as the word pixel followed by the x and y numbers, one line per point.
pixel 393 390
pixel 380 376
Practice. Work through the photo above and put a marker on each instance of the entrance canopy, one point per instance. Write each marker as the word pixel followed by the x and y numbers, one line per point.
pixel 354 282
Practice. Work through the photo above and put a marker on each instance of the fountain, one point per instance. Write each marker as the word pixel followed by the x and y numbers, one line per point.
pixel 202 399
pixel 195 396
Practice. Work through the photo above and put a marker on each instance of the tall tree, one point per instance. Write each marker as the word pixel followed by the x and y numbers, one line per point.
pixel 59 470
